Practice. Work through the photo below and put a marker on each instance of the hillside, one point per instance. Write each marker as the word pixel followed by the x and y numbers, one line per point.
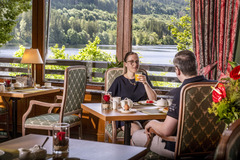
pixel 77 21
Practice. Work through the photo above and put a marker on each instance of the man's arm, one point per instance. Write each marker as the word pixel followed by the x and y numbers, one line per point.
pixel 166 128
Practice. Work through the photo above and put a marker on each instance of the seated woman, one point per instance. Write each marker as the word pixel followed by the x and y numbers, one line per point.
pixel 125 86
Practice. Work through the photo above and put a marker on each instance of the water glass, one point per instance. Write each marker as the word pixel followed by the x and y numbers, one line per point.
pixel 61 134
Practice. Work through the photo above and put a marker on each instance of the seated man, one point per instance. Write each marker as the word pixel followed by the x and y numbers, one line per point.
pixel 186 71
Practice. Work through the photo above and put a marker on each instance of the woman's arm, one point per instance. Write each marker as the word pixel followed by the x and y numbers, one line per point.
pixel 150 92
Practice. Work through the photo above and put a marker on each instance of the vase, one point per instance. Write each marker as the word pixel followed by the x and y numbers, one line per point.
pixel 105 100
pixel 61 134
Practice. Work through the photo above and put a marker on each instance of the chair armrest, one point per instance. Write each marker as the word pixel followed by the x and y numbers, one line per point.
pixel 166 138
pixel 44 104
pixel 58 97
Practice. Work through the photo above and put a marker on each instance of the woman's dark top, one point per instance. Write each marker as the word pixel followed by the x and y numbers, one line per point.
pixel 121 87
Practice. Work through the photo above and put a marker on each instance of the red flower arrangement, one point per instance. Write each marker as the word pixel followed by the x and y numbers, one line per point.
pixel 61 136
pixel 106 98
pixel 218 93
pixel 235 73
pixel 226 97
pixel 60 142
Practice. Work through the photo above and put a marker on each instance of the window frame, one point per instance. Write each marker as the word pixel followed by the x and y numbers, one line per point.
pixel 124 31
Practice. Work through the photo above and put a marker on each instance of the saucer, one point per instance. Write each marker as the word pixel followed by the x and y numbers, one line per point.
pixel 164 110
pixel 44 87
pixel 128 111
pixel 2 152
pixel 20 87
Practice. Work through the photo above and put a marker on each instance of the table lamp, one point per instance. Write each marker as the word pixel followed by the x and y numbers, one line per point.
pixel 32 56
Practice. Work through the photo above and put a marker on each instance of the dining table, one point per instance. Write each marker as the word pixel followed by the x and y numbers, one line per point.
pixel 16 94
pixel 78 149
pixel 143 112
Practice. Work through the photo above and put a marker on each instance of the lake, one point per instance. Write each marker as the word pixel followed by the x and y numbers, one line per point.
pixel 157 54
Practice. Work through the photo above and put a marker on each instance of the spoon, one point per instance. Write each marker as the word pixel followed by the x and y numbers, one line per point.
pixel 45 141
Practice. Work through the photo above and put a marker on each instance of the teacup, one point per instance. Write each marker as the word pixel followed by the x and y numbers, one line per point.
pixel 47 84
pixel 24 154
pixel 116 102
pixel 162 102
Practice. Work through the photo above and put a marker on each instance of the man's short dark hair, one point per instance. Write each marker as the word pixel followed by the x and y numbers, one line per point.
pixel 186 62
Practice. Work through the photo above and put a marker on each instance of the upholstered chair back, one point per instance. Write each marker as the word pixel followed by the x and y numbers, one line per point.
pixel 74 89
pixel 198 131
pixel 110 75
pixel 229 146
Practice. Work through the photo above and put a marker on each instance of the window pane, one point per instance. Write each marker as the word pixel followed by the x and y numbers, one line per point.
pixel 152 38
pixel 76 23
pixel 22 38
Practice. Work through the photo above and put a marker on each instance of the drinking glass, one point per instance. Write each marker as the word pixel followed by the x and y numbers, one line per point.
pixel 105 100
pixel 137 76
pixel 8 83
pixel 61 134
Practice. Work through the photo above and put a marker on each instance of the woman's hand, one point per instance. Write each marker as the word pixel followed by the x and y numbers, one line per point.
pixel 143 79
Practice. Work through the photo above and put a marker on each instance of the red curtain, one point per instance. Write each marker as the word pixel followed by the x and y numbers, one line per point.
pixel 214 30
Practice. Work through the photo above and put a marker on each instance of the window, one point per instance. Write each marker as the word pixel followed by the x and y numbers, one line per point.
pixel 77 23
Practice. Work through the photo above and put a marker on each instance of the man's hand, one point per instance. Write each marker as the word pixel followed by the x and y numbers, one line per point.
pixel 149 129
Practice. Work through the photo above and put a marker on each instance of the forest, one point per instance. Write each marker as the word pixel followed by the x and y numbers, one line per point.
pixel 75 22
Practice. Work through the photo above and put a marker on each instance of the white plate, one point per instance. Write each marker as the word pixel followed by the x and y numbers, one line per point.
pixel 20 87
pixel 129 111
pixel 145 103
pixel 2 152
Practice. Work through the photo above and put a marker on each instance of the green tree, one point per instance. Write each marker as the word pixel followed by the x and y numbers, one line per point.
pixel 182 30
pixel 9 12
pixel 92 53
pixel 57 54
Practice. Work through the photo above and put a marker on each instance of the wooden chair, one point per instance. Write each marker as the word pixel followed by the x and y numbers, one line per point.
pixel 198 132
pixel 70 107
pixel 229 145
pixel 4 114
pixel 111 130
